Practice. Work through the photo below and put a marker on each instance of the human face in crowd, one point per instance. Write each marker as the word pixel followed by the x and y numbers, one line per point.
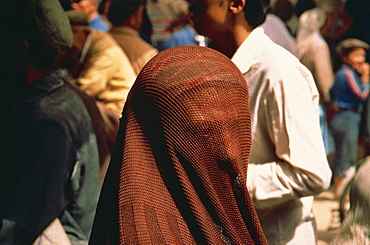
pixel 87 7
pixel 355 59
pixel 209 16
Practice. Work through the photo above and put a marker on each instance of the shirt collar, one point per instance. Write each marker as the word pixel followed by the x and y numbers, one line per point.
pixel 248 51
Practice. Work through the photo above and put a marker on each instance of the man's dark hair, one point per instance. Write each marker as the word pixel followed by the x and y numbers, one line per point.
pixel 120 10
pixel 256 11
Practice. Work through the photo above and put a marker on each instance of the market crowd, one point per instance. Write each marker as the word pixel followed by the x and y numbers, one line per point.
pixel 182 122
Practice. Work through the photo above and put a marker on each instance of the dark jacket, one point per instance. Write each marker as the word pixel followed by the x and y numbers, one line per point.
pixel 51 165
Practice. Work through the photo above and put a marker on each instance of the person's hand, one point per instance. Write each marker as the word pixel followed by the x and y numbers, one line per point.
pixel 364 70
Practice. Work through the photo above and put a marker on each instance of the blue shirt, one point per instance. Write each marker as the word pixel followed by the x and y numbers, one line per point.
pixel 98 24
pixel 184 37
pixel 348 90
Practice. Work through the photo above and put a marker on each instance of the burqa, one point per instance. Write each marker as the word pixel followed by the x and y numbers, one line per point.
pixel 178 174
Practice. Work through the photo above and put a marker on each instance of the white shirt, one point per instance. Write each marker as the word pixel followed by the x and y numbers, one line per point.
pixel 288 163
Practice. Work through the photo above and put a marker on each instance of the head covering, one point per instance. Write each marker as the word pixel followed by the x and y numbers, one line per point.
pixel 42 24
pixel 310 23
pixel 351 43
pixel 178 175
pixel 49 25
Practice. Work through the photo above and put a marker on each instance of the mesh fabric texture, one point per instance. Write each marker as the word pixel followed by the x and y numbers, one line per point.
pixel 179 170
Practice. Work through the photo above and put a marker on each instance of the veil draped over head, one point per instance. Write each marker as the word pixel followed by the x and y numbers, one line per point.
pixel 178 175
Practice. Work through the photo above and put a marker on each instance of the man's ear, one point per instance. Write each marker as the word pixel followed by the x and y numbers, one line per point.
pixel 237 6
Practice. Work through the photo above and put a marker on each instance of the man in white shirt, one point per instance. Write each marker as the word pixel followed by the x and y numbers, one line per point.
pixel 288 165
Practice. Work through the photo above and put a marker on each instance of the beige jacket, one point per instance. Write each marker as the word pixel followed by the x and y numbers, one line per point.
pixel 107 74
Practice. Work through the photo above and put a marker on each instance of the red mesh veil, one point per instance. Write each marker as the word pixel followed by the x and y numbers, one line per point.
pixel 179 171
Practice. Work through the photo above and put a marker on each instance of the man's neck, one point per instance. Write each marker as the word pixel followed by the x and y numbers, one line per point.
pixel 228 44
pixel 231 41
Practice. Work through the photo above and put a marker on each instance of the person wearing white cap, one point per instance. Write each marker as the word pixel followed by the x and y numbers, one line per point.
pixel 314 53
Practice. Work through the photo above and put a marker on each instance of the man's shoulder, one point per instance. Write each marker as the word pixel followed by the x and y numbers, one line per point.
pixel 132 43
pixel 62 103
pixel 104 46
pixel 259 50
pixel 276 59
pixel 102 40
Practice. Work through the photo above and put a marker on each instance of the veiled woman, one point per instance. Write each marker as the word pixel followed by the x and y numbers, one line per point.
pixel 178 175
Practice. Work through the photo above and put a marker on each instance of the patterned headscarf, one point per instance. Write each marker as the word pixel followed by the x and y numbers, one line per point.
pixel 178 175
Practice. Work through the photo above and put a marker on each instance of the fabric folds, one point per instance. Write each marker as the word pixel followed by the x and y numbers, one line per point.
pixel 178 173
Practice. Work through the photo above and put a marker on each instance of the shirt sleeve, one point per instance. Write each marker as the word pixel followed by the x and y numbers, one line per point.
pixel 298 165
pixel 357 88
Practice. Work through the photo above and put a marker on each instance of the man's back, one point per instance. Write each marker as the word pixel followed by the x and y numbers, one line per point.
pixel 288 164
pixel 137 50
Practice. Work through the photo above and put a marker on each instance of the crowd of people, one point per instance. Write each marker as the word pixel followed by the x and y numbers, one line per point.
pixel 180 122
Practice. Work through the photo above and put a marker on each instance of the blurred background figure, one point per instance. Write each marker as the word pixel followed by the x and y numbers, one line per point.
pixel 314 53
pixel 284 9
pixel 355 228
pixel 126 17
pixel 90 8
pixel 49 167
pixel 179 170
pixel 337 24
pixel 348 94
pixel 166 16
pixel 300 7
pixel 101 69
pixel 186 36
pixel 278 32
